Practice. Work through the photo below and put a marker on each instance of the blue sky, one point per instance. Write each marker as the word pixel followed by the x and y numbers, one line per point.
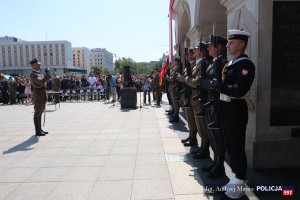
pixel 127 28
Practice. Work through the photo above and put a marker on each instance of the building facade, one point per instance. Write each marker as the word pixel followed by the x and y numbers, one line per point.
pixel 273 127
pixel 81 58
pixel 16 54
pixel 100 56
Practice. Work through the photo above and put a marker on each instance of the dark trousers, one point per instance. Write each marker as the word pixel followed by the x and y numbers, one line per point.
pixel 234 119
pixel 145 96
pixel 215 136
pixel 169 98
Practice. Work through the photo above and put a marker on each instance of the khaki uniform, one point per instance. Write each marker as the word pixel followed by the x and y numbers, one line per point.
pixel 173 91
pixel 196 105
pixel 39 95
pixel 189 112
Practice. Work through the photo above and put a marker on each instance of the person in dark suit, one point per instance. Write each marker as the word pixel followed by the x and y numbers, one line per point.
pixel 38 81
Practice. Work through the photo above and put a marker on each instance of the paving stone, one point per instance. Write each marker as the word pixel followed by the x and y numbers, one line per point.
pixel 82 174
pixel 71 191
pixel 151 172
pixel 111 190
pixel 32 191
pixel 16 174
pixel 124 172
pixel 152 189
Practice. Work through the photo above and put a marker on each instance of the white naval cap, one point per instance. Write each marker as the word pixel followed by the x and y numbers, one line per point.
pixel 238 35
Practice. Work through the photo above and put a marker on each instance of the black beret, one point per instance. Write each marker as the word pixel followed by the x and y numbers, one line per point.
pixel 34 61
pixel 217 40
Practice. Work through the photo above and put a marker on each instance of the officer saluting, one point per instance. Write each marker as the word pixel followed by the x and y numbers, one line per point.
pixel 237 78
pixel 39 94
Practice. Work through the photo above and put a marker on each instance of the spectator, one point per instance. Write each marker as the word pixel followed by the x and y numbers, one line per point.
pixel 12 90
pixel 28 91
pixel 92 81
pixel 147 89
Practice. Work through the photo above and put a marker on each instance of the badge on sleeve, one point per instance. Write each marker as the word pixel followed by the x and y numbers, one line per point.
pixel 245 72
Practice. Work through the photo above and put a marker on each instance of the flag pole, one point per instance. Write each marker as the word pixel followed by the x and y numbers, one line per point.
pixel 171 31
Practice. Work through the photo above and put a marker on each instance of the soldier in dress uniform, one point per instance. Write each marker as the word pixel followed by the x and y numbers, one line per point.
pixel 200 53
pixel 173 92
pixel 216 49
pixel 189 110
pixel 237 78
pixel 156 86
pixel 39 96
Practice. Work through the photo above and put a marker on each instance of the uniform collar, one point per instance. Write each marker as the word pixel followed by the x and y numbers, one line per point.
pixel 198 60
pixel 240 56
pixel 36 71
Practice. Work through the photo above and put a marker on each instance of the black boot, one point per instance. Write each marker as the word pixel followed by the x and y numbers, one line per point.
pixel 37 127
pixel 189 144
pixel 40 121
pixel 207 168
pixel 185 140
pixel 175 119
pixel 171 113
pixel 217 171
pixel 203 153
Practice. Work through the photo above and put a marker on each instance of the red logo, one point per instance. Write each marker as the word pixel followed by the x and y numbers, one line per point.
pixel 287 192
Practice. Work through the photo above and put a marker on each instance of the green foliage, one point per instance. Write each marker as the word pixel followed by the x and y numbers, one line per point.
pixel 97 69
pixel 136 67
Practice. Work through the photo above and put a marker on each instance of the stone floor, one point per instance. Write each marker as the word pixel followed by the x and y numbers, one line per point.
pixel 95 151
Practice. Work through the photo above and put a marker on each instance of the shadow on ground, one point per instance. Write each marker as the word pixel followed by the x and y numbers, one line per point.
pixel 24 146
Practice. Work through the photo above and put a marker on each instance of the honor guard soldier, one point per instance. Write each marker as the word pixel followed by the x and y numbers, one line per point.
pixel 237 78
pixel 189 110
pixel 156 87
pixel 39 96
pixel 173 92
pixel 200 53
pixel 216 49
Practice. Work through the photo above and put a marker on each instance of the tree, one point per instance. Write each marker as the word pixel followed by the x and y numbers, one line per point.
pixel 97 69
pixel 121 62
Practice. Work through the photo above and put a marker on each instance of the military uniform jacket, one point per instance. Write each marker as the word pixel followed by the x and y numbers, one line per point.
pixel 156 81
pixel 181 78
pixel 237 77
pixel 38 87
pixel 214 71
pixel 172 77
pixel 197 72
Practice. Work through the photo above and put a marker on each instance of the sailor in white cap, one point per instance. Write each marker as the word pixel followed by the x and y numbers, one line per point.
pixel 237 78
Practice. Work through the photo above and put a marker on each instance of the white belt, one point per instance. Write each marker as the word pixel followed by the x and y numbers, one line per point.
pixel 226 98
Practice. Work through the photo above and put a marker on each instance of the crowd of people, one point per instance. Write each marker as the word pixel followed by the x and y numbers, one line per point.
pixel 18 89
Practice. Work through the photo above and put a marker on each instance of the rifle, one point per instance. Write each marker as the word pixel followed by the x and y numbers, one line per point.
pixel 213 102
pixel 179 85
pixel 188 72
